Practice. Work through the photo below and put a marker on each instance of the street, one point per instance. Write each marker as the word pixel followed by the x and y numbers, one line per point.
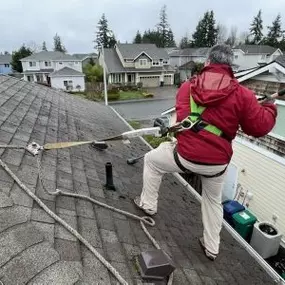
pixel 148 109
pixel 143 110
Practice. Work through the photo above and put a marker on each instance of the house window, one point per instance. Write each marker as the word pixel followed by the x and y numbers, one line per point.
pixel 165 62
pixel 67 82
pixel 128 60
pixel 47 63
pixel 143 62
pixel 155 63
pixel 236 56
pixel 60 62
pixel 32 63
pixel 7 65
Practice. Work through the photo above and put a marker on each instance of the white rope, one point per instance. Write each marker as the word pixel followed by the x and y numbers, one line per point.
pixel 143 220
pixel 64 224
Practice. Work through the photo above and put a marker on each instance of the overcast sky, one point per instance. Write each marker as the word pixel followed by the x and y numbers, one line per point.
pixel 26 21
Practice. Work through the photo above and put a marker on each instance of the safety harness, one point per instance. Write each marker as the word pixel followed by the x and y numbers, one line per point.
pixel 194 123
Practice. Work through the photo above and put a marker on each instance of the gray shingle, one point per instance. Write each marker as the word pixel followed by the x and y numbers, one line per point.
pixel 131 51
pixel 56 116
pixel 49 55
pixel 5 58
pixel 193 52
pixel 256 49
pixel 66 71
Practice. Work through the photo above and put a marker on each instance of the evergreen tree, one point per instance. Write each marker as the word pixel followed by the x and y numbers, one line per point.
pixel 44 47
pixel 256 28
pixel 199 36
pixel 58 46
pixel 206 31
pixel 138 38
pixel 212 30
pixel 163 27
pixel 274 32
pixel 152 37
pixel 17 55
pixel 171 41
pixel 105 36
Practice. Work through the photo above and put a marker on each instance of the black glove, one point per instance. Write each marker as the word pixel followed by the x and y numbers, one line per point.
pixel 160 122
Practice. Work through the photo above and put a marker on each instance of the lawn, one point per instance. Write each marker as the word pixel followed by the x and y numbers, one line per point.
pixel 130 95
pixel 152 140
pixel 118 96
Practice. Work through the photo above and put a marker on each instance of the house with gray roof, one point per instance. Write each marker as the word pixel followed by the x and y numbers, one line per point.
pixel 179 57
pixel 37 249
pixel 134 63
pixel 250 56
pixel 5 63
pixel 55 69
pixel 86 58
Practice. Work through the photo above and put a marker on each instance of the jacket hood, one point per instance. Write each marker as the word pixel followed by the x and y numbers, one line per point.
pixel 215 83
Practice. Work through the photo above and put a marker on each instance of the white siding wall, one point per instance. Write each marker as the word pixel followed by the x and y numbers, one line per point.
pixel 77 65
pixel 42 65
pixel 264 177
pixel 251 60
pixel 26 66
pixel 58 82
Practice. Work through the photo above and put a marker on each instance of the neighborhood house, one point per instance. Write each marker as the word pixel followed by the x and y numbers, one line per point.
pixel 5 64
pixel 56 69
pixel 134 63
pixel 249 56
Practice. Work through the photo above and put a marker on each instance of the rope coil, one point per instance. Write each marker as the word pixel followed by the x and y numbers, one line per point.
pixel 143 220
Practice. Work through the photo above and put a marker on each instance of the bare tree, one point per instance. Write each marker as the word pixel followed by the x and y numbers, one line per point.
pixel 222 33
pixel 33 46
pixel 232 38
pixel 243 38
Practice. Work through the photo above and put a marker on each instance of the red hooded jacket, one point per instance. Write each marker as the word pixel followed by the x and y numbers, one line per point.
pixel 228 106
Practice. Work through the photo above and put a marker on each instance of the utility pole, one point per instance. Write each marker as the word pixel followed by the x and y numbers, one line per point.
pixel 104 77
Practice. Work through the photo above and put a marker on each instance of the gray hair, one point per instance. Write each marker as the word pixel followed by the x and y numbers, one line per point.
pixel 221 54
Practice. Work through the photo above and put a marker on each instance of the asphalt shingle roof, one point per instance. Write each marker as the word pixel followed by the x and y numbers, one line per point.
pixel 114 64
pixel 36 250
pixel 66 71
pixel 281 60
pixel 49 55
pixel 5 58
pixel 256 49
pixel 131 51
pixel 82 56
pixel 195 52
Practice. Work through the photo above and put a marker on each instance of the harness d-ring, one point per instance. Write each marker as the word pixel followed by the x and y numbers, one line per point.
pixel 148 220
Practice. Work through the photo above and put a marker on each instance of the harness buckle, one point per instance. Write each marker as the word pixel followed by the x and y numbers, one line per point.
pixel 187 124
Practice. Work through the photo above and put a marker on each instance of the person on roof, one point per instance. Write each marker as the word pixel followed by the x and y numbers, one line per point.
pixel 221 105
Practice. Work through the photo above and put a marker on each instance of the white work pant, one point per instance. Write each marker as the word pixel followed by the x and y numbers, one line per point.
pixel 160 161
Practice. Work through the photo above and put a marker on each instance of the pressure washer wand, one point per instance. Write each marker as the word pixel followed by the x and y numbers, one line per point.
pixel 134 160
pixel 265 98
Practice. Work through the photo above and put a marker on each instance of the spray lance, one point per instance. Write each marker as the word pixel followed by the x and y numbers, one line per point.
pixel 186 124
pixel 160 129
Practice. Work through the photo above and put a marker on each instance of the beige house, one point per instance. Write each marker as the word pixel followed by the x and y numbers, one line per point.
pixel 134 63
